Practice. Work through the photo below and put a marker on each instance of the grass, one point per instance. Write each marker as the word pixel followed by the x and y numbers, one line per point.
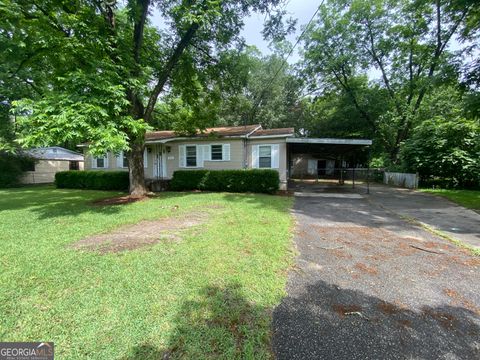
pixel 209 295
pixel 467 198
pixel 475 251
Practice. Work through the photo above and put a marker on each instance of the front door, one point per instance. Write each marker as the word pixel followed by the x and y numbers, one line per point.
pixel 160 169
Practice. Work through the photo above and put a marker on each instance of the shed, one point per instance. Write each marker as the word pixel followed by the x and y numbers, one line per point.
pixel 49 161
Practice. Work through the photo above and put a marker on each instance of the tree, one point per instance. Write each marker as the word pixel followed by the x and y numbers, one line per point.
pixel 110 65
pixel 335 113
pixel 406 42
pixel 249 88
pixel 448 148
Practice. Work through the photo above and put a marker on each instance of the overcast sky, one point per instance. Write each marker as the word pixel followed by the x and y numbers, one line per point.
pixel 252 32
pixel 302 10
pixel 298 9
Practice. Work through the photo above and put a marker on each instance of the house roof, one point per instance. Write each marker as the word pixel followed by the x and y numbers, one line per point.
pixel 53 153
pixel 274 132
pixel 222 131
pixel 214 131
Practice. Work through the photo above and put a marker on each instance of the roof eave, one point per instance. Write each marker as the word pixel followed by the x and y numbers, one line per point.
pixel 330 141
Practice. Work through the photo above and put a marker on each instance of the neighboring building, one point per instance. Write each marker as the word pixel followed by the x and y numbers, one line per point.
pixel 49 161
pixel 237 147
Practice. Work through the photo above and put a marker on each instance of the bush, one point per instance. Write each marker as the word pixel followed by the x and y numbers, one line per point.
pixel 255 180
pixel 12 167
pixel 93 180
pixel 445 148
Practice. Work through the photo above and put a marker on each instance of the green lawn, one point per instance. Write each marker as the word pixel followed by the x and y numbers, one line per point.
pixel 209 295
pixel 468 198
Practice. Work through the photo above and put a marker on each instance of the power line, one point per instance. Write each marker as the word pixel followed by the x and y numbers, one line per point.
pixel 269 83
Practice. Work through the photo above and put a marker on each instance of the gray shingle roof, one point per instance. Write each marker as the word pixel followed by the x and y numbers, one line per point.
pixel 53 153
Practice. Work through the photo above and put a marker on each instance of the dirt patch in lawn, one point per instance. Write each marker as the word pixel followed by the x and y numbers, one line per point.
pixel 142 234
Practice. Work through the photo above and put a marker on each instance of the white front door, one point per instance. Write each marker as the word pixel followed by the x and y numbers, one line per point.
pixel 160 169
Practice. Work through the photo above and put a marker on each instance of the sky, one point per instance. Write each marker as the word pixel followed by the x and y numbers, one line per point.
pixel 252 31
pixel 302 10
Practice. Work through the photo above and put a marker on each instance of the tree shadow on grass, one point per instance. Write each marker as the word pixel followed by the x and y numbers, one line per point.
pixel 329 322
pixel 259 201
pixel 49 202
pixel 219 323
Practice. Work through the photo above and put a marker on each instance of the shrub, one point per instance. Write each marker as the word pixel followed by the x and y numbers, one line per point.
pixel 93 180
pixel 445 148
pixel 12 167
pixel 255 180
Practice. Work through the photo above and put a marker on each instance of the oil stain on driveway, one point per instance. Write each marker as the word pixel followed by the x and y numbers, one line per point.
pixel 369 285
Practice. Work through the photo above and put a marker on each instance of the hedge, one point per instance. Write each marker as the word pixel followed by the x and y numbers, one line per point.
pixel 12 168
pixel 254 180
pixel 94 180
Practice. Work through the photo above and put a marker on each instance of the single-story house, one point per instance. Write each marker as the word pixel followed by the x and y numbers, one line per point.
pixel 49 161
pixel 219 148
pixel 232 147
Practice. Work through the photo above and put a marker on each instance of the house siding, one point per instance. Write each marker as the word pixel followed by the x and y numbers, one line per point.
pixel 238 155
pixel 235 162
pixel 282 161
pixel 112 163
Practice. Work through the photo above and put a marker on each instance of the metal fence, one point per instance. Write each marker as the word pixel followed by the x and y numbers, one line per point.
pixel 361 174
pixel 406 180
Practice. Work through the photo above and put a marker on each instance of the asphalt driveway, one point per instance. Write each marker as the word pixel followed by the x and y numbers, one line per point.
pixel 370 285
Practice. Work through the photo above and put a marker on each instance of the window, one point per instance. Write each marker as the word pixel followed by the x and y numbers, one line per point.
pixel 124 160
pixel 74 165
pixel 265 156
pixel 191 156
pixel 100 162
pixel 27 165
pixel 217 153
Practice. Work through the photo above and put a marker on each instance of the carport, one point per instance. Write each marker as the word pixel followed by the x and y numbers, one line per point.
pixel 328 159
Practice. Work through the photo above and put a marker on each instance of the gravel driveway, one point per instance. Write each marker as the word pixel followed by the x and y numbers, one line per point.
pixel 369 285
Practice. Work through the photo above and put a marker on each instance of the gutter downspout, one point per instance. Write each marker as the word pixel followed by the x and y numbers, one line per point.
pixel 245 147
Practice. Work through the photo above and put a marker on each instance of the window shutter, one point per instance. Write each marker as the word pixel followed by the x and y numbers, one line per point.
pixel 145 158
pixel 255 156
pixel 207 152
pixel 226 152
pixel 181 156
pixel 94 161
pixel 105 161
pixel 200 155
pixel 275 156
pixel 120 160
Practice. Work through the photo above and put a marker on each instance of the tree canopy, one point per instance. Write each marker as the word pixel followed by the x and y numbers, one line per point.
pixel 99 72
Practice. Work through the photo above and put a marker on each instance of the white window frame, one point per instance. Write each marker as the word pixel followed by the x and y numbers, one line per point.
pixel 211 152
pixel 274 156
pixel 196 156
pixel 95 164
pixel 120 160
pixel 271 156
pixel 225 152
pixel 203 153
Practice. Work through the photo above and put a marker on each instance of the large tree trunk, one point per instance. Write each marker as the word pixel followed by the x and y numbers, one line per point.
pixel 136 170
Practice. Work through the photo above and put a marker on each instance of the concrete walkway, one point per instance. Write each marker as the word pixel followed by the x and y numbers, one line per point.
pixel 434 211
pixel 367 284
